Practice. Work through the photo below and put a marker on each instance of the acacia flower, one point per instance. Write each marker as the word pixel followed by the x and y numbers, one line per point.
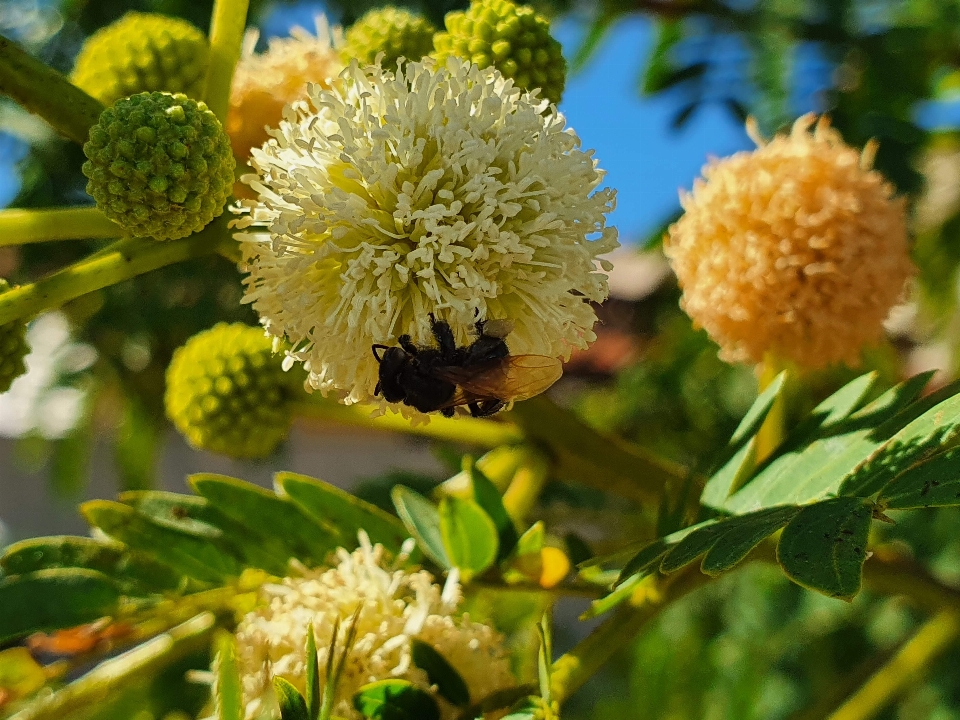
pixel 264 84
pixel 441 189
pixel 396 607
pixel 798 249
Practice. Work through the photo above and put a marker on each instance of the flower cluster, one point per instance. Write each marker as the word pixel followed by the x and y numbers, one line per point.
pixel 395 607
pixel 142 52
pixel 159 165
pixel 438 189
pixel 388 33
pixel 798 249
pixel 264 84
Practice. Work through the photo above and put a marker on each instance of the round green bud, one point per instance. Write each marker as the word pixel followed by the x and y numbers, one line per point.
pixel 142 52
pixel 513 38
pixel 13 348
pixel 159 165
pixel 394 32
pixel 227 392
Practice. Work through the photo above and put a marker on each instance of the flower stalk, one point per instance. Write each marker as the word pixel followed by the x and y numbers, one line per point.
pixel 469 431
pixel 19 227
pixel 120 261
pixel 904 669
pixel 45 92
pixel 226 43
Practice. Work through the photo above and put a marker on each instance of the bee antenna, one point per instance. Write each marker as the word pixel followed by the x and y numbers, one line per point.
pixel 379 347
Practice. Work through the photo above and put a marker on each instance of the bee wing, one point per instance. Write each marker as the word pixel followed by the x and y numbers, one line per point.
pixel 515 377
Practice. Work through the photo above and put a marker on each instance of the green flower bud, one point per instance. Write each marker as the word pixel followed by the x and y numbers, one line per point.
pixel 227 392
pixel 513 38
pixel 394 32
pixel 159 165
pixel 142 52
pixel 13 348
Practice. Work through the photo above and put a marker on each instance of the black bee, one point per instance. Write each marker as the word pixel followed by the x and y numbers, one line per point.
pixel 484 376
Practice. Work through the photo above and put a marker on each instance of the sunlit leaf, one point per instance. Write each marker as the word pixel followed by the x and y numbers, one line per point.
pixel 422 520
pixel 933 483
pixel 469 535
pixel 487 496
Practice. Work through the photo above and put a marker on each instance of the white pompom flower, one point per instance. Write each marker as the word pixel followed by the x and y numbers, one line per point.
pixel 396 607
pixel 438 189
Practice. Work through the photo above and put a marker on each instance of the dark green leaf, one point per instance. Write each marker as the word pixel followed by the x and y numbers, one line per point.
pixel 660 66
pixel 644 560
pixel 395 700
pixel 739 538
pixel 422 520
pixel 256 508
pixel 136 573
pixel 823 548
pixel 292 704
pixel 332 506
pixel 933 483
pixel 195 557
pixel 487 496
pixel 54 599
pixel 229 691
pixel 469 535
pixel 440 673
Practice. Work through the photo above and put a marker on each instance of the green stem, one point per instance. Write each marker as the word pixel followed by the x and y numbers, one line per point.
pixel 573 669
pixel 121 261
pixel 904 669
pixel 18 227
pixel 585 456
pixel 45 92
pixel 226 43
pixel 94 690
pixel 771 432
pixel 470 431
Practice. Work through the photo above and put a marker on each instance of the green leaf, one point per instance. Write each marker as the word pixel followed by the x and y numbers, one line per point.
pixel 198 517
pixel 469 535
pixel 48 600
pixel 730 539
pixel 757 413
pixel 395 700
pixel 332 506
pixel 136 573
pixel 487 496
pixel 229 691
pixel 292 704
pixel 660 66
pixel 253 507
pixel 422 520
pixel 440 673
pixel 601 25
pixel 199 558
pixel 823 548
pixel 817 459
pixel 731 475
pixel 314 694
pixel 933 483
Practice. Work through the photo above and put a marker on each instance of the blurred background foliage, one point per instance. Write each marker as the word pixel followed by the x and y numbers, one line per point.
pixel 752 645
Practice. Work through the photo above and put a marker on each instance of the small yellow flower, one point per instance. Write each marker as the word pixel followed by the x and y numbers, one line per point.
pixel 396 607
pixel 264 84
pixel 798 249
pixel 441 189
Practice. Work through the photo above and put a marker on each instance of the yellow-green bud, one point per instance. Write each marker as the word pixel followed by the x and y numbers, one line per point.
pixel 142 52
pixel 159 165
pixel 13 348
pixel 227 392
pixel 513 38
pixel 394 32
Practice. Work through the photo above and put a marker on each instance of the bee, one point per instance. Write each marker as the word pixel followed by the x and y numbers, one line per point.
pixel 483 375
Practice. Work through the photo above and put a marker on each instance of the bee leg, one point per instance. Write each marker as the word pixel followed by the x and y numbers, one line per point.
pixel 406 342
pixel 444 336
pixel 485 408
pixel 447 412
pixel 376 390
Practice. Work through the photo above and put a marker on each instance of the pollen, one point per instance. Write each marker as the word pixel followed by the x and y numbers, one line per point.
pixel 798 249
